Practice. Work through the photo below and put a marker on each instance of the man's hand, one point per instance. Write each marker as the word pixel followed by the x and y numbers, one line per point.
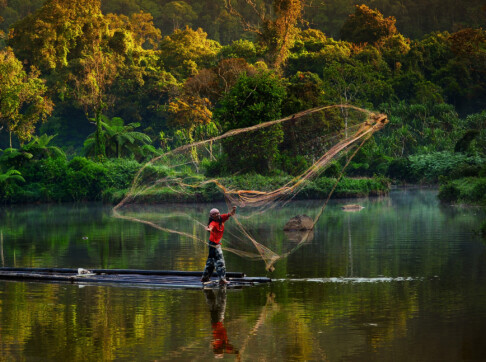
pixel 233 211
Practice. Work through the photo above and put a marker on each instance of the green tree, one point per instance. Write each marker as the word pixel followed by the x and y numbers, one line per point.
pixel 141 87
pixel 12 11
pixel 329 16
pixel 429 54
pixel 68 40
pixel 213 83
pixel 125 7
pixel 476 124
pixel 420 128
pixel 129 36
pixel 178 13
pixel 23 100
pixel 56 33
pixel 251 101
pixel 464 77
pixel 455 63
pixel 40 148
pixel 188 111
pixel 86 52
pixel 190 116
pixel 394 48
pixel 276 32
pixel 96 73
pixel 355 83
pixel 11 176
pixel 120 140
pixel 278 35
pixel 313 50
pixel 186 51
pixel 311 40
pixel 37 149
pixel 7 182
pixel 240 49
pixel 14 158
pixel 304 90
pixel 367 26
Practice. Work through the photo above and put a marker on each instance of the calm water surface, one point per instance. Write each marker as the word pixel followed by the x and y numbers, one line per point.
pixel 404 279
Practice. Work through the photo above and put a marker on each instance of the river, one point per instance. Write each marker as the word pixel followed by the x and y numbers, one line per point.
pixel 404 279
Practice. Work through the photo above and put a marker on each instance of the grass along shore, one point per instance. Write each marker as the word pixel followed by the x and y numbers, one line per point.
pixel 81 179
pixel 317 189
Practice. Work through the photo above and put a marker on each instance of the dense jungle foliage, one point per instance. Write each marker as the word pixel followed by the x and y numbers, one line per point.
pixel 89 90
pixel 414 18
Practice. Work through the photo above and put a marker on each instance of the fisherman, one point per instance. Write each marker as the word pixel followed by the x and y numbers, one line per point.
pixel 215 257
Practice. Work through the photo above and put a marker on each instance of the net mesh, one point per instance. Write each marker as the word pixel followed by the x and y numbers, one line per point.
pixel 322 135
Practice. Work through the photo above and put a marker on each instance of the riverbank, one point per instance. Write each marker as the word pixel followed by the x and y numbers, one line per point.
pixel 317 189
pixel 81 179
pixel 467 190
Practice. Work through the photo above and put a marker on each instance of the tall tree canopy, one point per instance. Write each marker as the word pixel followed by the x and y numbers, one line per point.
pixel 56 33
pixel 82 52
pixel 186 51
pixel 251 101
pixel 275 31
pixel 23 100
pixel 367 26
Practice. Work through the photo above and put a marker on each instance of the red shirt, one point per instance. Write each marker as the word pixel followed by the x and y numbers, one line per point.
pixel 217 232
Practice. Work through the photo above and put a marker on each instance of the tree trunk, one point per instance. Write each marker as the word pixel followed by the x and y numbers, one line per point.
pixel 99 146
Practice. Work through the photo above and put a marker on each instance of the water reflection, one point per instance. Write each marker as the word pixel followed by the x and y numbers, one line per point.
pixel 1 248
pixel 404 279
pixel 216 301
pixel 350 251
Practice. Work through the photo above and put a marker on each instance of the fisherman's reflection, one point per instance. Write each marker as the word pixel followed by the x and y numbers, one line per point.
pixel 217 306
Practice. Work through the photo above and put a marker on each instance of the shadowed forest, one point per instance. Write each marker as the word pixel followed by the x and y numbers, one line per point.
pixel 90 91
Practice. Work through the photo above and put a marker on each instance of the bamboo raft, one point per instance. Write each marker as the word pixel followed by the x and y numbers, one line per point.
pixel 128 277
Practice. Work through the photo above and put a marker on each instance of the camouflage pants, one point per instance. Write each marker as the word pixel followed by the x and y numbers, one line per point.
pixel 215 260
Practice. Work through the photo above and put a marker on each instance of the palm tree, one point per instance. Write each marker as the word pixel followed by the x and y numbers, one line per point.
pixel 36 149
pixel 119 139
pixel 14 158
pixel 7 180
pixel 39 148
pixel 11 176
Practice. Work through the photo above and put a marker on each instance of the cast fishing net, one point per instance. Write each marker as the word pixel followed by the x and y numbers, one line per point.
pixel 322 136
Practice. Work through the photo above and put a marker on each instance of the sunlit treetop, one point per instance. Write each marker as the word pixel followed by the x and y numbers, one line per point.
pixel 186 51
pixel 57 32
pixel 136 31
pixel 23 100
pixel 64 30
pixel 367 26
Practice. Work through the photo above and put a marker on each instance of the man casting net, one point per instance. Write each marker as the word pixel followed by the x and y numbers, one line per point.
pixel 309 146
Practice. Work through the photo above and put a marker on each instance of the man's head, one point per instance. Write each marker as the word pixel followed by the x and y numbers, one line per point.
pixel 214 214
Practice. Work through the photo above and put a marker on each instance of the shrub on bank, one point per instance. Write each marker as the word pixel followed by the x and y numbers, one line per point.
pixel 470 190
pixel 428 168
pixel 81 179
